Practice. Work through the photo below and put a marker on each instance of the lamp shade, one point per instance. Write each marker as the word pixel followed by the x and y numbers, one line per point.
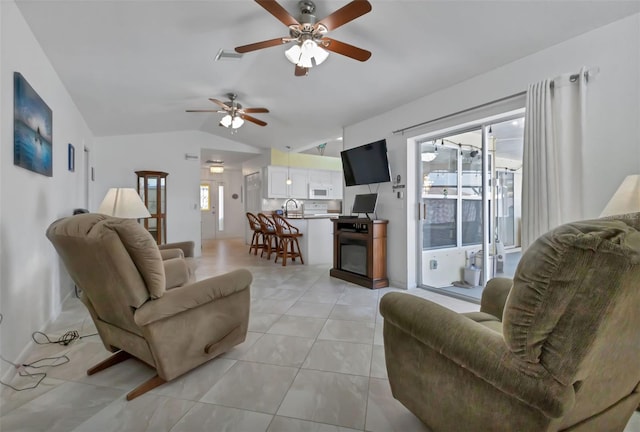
pixel 123 203
pixel 626 199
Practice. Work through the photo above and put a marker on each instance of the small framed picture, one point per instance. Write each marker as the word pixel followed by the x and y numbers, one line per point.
pixel 72 158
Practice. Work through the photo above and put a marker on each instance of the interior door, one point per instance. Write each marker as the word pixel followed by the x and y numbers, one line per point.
pixel 208 217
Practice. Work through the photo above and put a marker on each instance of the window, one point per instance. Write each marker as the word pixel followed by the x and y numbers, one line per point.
pixel 221 207
pixel 205 203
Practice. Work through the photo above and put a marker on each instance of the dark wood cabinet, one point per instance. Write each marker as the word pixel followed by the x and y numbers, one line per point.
pixel 360 251
pixel 152 187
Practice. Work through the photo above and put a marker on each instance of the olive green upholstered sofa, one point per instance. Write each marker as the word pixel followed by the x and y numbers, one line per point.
pixel 556 349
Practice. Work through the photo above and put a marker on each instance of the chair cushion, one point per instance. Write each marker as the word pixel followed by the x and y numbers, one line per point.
pixel 144 252
pixel 562 288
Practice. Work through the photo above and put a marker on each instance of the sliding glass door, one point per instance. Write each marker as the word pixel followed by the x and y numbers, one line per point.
pixel 469 203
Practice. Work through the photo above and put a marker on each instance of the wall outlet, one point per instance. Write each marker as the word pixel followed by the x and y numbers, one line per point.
pixel 433 264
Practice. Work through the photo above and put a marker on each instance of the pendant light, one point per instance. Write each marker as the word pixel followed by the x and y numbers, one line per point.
pixel 289 165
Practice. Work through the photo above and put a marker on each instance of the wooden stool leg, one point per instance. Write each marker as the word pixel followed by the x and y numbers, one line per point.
pixel 285 246
pixel 299 251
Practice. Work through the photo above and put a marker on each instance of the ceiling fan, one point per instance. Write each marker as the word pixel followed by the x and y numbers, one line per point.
pixel 235 115
pixel 311 44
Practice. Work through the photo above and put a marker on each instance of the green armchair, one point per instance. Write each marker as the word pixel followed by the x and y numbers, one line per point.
pixel 145 302
pixel 556 349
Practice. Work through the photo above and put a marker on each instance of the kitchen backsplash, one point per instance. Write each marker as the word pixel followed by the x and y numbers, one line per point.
pixel 333 206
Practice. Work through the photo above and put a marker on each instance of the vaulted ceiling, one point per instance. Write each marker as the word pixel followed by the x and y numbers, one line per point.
pixel 135 66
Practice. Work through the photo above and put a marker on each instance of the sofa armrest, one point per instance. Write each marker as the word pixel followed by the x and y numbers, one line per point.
pixel 167 254
pixel 187 247
pixel 192 296
pixel 477 349
pixel 494 296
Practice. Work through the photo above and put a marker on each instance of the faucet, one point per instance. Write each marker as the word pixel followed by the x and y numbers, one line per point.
pixel 286 204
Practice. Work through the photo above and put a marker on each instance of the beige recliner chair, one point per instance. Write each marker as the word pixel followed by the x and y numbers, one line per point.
pixel 557 349
pixel 145 306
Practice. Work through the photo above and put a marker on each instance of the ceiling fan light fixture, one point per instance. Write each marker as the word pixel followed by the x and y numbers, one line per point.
pixel 237 122
pixel 226 121
pixel 320 54
pixel 293 54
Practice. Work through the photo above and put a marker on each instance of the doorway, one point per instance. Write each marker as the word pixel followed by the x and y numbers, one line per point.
pixel 469 199
pixel 211 209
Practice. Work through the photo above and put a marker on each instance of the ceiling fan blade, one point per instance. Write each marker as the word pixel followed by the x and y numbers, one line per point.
pixel 255 110
pixel 347 13
pixel 222 104
pixel 278 11
pixel 300 71
pixel 260 45
pixel 204 110
pixel 345 49
pixel 253 120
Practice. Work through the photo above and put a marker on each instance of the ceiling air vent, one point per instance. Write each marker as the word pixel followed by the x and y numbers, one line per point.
pixel 227 55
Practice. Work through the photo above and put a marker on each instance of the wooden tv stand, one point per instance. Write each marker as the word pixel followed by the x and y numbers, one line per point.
pixel 360 251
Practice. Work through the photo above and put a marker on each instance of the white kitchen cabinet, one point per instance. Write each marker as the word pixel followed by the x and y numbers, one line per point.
pixel 319 177
pixel 299 187
pixel 336 184
pixel 276 182
pixel 277 186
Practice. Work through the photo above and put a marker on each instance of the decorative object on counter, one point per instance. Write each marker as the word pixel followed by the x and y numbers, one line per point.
pixel 32 129
pixel 123 203
pixel 288 245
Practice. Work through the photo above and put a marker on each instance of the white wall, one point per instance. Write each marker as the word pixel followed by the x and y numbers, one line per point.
pixel 118 157
pixel 32 282
pixel 613 126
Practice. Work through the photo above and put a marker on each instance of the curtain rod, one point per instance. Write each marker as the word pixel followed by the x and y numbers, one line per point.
pixel 502 99
pixel 572 78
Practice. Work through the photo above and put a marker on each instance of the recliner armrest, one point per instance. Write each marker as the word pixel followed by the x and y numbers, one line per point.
pixel 192 296
pixel 167 254
pixel 494 296
pixel 477 349
pixel 187 247
pixel 176 272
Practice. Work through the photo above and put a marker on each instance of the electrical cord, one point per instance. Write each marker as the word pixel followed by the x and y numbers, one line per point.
pixel 65 340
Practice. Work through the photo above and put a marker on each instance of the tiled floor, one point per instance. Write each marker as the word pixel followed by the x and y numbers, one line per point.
pixel 313 361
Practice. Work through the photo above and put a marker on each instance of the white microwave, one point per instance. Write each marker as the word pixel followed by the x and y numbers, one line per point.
pixel 319 191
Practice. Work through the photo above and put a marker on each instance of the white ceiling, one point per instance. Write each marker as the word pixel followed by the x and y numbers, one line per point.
pixel 135 66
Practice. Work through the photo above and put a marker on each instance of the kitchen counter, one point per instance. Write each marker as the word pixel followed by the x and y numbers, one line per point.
pixel 312 216
pixel 316 243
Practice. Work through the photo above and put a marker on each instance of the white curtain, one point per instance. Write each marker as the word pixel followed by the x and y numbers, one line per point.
pixel 552 175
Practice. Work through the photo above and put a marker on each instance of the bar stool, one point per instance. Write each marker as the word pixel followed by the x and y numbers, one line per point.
pixel 288 246
pixel 257 240
pixel 270 238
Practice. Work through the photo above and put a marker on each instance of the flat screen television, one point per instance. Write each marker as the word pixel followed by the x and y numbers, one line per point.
pixel 366 164
pixel 365 203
